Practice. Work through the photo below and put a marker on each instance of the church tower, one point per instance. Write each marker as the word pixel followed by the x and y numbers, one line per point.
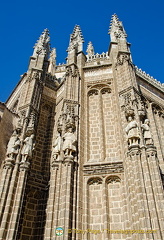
pixel 82 146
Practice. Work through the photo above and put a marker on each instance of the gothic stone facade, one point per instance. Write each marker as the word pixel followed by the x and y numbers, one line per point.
pixel 82 146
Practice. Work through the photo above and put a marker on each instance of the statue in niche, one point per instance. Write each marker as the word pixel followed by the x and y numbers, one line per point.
pixel 146 132
pixel 132 132
pixel 69 138
pixel 57 145
pixel 13 145
pixel 28 147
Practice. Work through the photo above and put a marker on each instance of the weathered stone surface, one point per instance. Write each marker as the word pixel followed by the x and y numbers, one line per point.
pixel 82 146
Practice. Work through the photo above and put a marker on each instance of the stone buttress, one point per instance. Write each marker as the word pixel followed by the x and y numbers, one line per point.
pixel 84 159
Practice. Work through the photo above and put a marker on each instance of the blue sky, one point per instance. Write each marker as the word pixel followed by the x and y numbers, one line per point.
pixel 23 21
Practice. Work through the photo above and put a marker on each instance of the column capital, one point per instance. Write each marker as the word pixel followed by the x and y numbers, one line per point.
pixel 24 166
pixel 8 163
pixel 134 150
pixel 151 150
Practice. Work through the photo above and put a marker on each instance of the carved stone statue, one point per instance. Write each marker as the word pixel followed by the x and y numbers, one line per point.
pixel 132 132
pixel 57 146
pixel 28 147
pixel 69 145
pixel 147 133
pixel 13 145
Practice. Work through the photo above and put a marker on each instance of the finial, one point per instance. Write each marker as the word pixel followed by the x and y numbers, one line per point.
pixel 76 39
pixel 42 46
pixel 116 29
pixel 90 49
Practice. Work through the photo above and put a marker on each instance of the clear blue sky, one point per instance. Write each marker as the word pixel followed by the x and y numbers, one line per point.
pixel 23 21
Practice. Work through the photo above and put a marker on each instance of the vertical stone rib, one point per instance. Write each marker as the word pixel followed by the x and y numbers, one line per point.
pixel 102 130
pixel 68 200
pixel 49 228
pixel 57 199
pixel 154 131
pixel 141 198
pixel 152 219
pixel 157 189
pixel 18 201
pixel 160 132
pixel 106 211
pixel 87 132
pixel 74 202
pixel 5 182
pixel 135 157
pixel 6 215
pixel 130 191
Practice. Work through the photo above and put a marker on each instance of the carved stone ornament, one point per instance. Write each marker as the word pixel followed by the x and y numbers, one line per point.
pixel 76 39
pixel 129 112
pixel 113 180
pixel 132 132
pixel 13 145
pixel 140 106
pixel 69 141
pixel 93 92
pixel 90 49
pixel 105 90
pixel 68 71
pixel 122 58
pixel 42 47
pixel 147 132
pixel 21 120
pixel 31 123
pixel 28 147
pixel 95 181
pixel 57 146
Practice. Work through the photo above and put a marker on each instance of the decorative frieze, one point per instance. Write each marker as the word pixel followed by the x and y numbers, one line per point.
pixel 98 72
pixel 104 168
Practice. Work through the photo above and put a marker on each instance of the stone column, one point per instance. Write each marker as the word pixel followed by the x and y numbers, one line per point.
pixel 157 200
pixel 154 131
pixel 159 130
pixel 75 201
pixel 134 157
pixel 8 203
pixel 58 193
pixel 18 201
pixel 50 228
pixel 68 197
pixel 125 205
pixel 5 182
pixel 102 132
pixel 105 234
pixel 86 210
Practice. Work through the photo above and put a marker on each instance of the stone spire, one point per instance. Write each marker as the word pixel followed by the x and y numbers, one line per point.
pixel 42 46
pixel 90 49
pixel 116 29
pixel 76 40
pixel 52 61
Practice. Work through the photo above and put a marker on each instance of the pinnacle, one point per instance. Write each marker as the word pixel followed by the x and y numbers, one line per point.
pixel 77 31
pixel 43 43
pixel 114 21
pixel 116 26
pixel 90 49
